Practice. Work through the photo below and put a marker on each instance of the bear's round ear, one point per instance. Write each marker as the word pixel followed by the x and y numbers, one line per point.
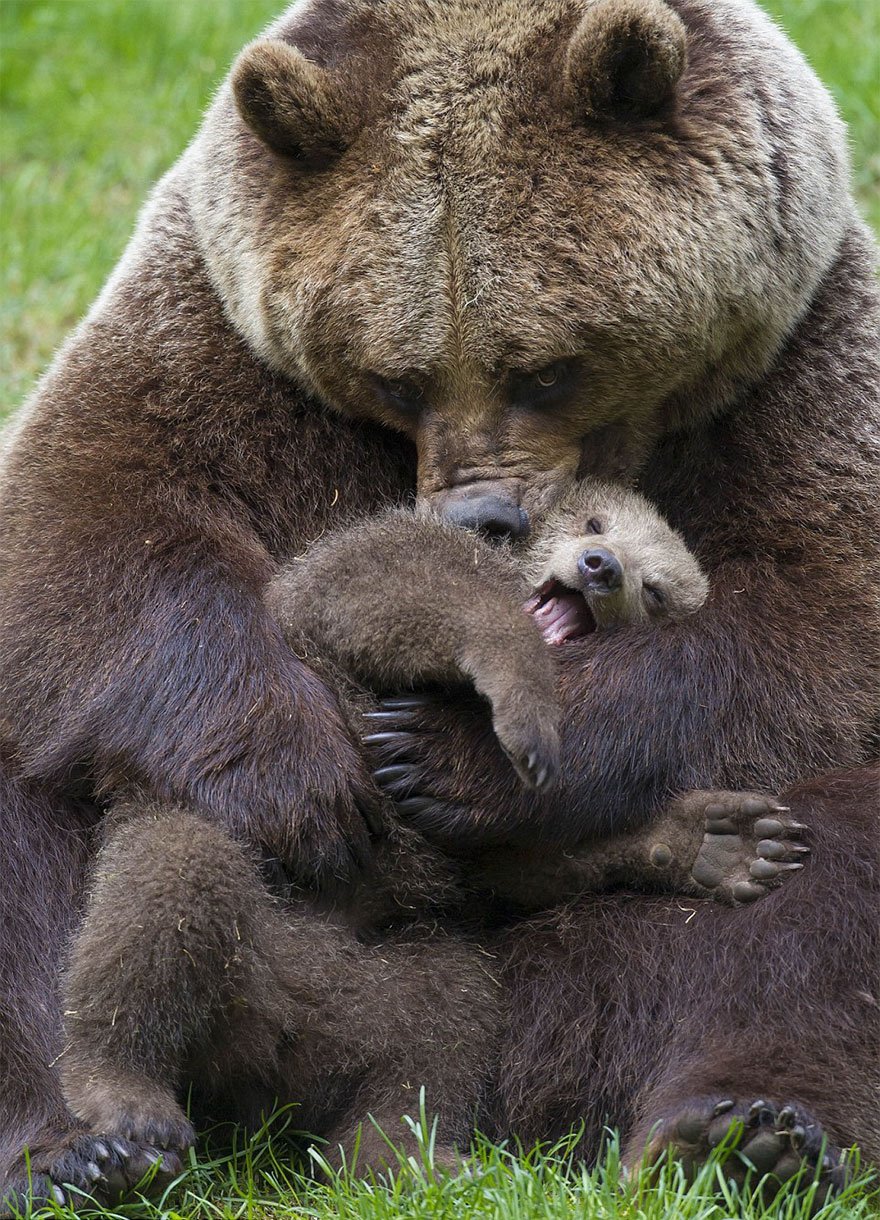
pixel 625 58
pixel 293 105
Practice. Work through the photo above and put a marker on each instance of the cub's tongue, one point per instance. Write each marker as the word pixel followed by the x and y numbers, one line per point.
pixel 560 613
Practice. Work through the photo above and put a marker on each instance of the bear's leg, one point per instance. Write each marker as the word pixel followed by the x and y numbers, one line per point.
pixel 669 1018
pixel 414 1015
pixel 44 855
pixel 172 977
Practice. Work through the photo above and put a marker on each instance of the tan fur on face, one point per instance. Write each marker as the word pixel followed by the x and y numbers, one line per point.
pixel 510 203
pixel 661 578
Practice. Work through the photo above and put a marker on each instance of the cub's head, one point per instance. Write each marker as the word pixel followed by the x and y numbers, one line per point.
pixel 532 237
pixel 604 556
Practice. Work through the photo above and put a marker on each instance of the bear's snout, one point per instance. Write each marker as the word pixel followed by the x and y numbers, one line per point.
pixel 493 514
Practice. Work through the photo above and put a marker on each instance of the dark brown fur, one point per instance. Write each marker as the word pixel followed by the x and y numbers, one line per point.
pixel 186 973
pixel 702 276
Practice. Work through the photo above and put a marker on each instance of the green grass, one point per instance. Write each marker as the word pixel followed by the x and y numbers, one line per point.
pixel 259 1181
pixel 98 98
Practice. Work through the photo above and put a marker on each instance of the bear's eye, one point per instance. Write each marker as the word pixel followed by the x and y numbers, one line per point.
pixel 405 396
pixel 655 595
pixel 542 388
pixel 594 526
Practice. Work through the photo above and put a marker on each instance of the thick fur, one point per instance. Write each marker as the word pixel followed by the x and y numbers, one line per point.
pixel 186 971
pixel 401 601
pixel 325 1006
pixel 700 282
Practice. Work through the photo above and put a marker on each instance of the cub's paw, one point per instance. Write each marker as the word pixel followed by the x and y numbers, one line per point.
pixel 83 1170
pixel 750 845
pixel 531 743
pixel 763 1138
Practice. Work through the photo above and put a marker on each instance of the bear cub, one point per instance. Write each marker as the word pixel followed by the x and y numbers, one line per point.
pixel 189 971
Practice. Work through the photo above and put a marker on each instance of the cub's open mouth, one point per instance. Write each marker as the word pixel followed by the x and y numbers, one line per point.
pixel 560 613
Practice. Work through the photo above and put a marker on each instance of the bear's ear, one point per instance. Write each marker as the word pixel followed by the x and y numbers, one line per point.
pixel 293 105
pixel 625 58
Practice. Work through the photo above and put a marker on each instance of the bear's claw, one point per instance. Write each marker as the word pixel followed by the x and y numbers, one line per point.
pixel 83 1170
pixel 775 1141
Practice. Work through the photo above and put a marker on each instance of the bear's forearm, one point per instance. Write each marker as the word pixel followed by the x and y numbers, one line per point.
pixel 719 700
pixel 167 671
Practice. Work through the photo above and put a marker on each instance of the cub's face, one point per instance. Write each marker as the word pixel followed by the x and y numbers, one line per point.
pixel 603 557
pixel 532 237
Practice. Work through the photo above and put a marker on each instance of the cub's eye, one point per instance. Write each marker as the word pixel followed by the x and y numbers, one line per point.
pixel 655 595
pixel 543 388
pixel 405 396
pixel 594 526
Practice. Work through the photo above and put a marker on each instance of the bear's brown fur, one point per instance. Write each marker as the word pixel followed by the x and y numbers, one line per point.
pixel 519 255
pixel 347 1010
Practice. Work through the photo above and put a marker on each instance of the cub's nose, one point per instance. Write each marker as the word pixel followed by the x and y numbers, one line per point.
pixel 495 516
pixel 602 571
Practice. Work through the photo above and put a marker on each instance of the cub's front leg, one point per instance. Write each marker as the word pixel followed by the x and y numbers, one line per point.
pixel 733 847
pixel 401 601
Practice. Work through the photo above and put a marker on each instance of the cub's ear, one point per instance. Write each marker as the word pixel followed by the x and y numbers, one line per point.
pixel 625 58
pixel 292 104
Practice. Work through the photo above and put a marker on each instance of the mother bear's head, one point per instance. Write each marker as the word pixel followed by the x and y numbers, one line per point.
pixel 533 237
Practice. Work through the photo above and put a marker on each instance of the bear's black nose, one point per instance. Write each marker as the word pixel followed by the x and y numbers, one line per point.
pixel 602 571
pixel 495 516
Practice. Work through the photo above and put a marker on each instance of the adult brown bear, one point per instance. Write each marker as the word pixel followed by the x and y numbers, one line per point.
pixel 516 240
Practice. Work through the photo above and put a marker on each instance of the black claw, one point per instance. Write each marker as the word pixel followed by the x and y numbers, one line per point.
pixel 759 1113
pixel 412 806
pixel 388 717
pixel 387 738
pixel 406 702
pixel 786 1118
pixel 386 776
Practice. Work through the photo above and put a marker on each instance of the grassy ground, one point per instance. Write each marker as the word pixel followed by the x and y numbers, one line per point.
pixel 98 97
pixel 257 1182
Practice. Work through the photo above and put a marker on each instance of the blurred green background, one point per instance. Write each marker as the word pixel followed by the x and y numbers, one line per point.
pixel 99 96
